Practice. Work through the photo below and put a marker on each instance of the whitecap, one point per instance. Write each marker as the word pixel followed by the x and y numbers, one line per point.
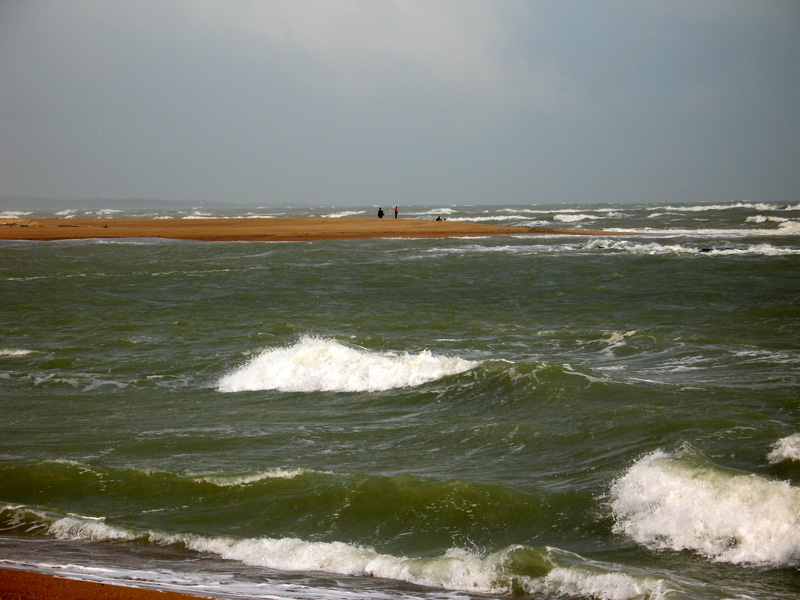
pixel 317 364
pixel 248 478
pixel 14 352
pixel 765 219
pixel 787 448
pixel 456 569
pixel 345 213
pixel 657 249
pixel 574 218
pixel 683 501
pixel 734 205
pixel 438 211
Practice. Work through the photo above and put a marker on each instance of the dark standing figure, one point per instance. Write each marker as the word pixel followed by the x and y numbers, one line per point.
pixel 380 213
pixel 395 212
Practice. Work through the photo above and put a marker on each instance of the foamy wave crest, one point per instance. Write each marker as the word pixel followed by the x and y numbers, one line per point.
pixel 604 586
pixel 438 211
pixel 246 479
pixel 789 227
pixel 14 352
pixel 733 205
pixel 648 249
pixel 457 569
pixel 575 218
pixel 85 528
pixel 315 364
pixel 344 213
pixel 683 501
pixel 657 249
pixel 765 219
pixel 515 569
pixel 70 527
pixel 787 448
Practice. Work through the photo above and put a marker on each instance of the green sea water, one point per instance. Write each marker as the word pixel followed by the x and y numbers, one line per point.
pixel 535 416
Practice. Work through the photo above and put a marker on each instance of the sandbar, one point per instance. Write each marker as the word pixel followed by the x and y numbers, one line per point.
pixel 260 229
pixel 29 585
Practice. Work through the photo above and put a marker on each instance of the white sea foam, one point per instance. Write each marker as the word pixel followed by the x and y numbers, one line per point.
pixel 653 248
pixel 575 218
pixel 682 501
pixel 707 207
pixel 616 340
pixel 457 569
pixel 248 478
pixel 14 352
pixel 345 213
pixel 316 364
pixel 789 227
pixel 438 211
pixel 656 249
pixel 603 586
pixel 14 214
pixel 765 219
pixel 787 448
pixel 95 529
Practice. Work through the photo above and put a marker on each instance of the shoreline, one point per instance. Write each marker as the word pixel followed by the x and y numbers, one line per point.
pixel 259 229
pixel 21 584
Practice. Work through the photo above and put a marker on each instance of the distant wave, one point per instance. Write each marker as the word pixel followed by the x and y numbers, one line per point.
pixel 575 218
pixel 316 364
pixel 683 501
pixel 731 206
pixel 345 213
pixel 14 352
pixel 656 248
pixel 766 219
pixel 250 478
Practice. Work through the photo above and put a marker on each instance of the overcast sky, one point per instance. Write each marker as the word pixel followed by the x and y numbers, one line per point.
pixel 401 102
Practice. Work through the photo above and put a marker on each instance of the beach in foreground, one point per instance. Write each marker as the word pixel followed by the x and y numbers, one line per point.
pixel 256 229
pixel 28 585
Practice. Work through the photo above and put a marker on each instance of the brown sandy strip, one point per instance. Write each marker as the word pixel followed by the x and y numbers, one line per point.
pixel 28 585
pixel 260 229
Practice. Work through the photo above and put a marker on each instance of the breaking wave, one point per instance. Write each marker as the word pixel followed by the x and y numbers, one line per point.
pixel 732 206
pixel 316 364
pixel 14 352
pixel 787 448
pixel 515 569
pixel 683 501
pixel 344 213
pixel 657 249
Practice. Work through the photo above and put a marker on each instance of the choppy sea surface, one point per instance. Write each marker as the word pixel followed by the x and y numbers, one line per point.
pixel 604 417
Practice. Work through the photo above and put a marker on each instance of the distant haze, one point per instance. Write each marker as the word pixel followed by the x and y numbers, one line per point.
pixel 411 102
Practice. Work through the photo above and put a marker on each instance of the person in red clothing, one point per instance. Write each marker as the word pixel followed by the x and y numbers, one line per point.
pixel 395 212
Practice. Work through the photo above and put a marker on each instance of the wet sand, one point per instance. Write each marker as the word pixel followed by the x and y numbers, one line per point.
pixel 28 585
pixel 258 229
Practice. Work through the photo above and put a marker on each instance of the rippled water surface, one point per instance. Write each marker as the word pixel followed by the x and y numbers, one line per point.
pixel 541 416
